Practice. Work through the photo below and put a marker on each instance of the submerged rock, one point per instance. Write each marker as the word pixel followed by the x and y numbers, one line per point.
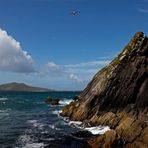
pixel 51 101
pixel 117 96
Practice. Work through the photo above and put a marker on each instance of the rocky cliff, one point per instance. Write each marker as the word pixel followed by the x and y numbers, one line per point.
pixel 118 96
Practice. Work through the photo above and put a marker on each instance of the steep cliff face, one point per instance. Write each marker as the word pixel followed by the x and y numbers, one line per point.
pixel 118 92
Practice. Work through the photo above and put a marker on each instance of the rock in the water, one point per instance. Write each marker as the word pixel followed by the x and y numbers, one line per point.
pixel 118 96
pixel 76 98
pixel 51 101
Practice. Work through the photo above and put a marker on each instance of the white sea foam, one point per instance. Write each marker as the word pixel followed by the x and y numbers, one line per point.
pixel 3 99
pixel 95 130
pixel 45 132
pixel 36 124
pixel 75 123
pixel 32 121
pixel 65 101
pixel 98 129
pixel 34 145
pixel 27 142
pixel 52 126
pixel 56 112
pixel 23 139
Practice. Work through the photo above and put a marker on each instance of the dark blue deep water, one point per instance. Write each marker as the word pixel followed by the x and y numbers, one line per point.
pixel 26 121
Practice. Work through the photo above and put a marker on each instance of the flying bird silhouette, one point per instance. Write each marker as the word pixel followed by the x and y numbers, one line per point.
pixel 74 13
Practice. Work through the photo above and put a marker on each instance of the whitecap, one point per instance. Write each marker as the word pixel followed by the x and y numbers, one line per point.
pixel 32 121
pixel 52 126
pixel 36 124
pixel 65 102
pixel 34 145
pixel 56 112
pixel 3 99
pixel 95 130
pixel 23 139
pixel 44 132
pixel 98 129
pixel 27 142
pixel 75 122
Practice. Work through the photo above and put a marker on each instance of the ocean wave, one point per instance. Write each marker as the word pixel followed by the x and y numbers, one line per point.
pixel 65 101
pixel 52 126
pixel 95 130
pixel 4 112
pixel 98 129
pixel 56 112
pixel 27 142
pixel 3 99
pixel 34 145
pixel 36 124
pixel 75 123
pixel 44 132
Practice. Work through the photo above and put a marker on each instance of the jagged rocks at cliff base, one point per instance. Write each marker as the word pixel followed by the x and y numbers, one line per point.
pixel 51 101
pixel 117 96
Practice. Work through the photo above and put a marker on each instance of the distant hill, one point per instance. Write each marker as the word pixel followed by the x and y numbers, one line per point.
pixel 22 87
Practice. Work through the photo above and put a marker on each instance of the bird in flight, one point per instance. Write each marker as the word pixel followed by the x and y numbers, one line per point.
pixel 74 13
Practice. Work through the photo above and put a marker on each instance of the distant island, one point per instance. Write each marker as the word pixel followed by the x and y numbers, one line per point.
pixel 21 87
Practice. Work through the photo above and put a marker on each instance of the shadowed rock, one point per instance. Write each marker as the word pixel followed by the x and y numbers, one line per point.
pixel 51 101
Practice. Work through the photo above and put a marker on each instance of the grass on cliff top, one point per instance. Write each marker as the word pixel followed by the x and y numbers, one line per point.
pixel 124 52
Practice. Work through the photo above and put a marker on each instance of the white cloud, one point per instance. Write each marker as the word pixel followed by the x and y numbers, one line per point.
pixel 79 73
pixel 75 78
pixel 91 64
pixel 143 10
pixel 12 57
pixel 53 70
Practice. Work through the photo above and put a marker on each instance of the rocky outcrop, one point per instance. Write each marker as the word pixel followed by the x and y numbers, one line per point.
pixel 51 101
pixel 118 96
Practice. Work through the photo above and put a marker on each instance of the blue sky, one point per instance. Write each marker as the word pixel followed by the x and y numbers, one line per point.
pixel 42 45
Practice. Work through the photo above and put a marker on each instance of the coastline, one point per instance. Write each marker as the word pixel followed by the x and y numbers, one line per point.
pixel 117 97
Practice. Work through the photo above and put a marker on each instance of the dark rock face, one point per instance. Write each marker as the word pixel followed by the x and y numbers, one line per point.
pixel 118 94
pixel 52 101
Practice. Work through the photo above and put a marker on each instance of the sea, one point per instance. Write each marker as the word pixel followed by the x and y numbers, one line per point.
pixel 26 121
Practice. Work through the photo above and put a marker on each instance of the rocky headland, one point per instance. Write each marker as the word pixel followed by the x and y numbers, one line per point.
pixel 117 96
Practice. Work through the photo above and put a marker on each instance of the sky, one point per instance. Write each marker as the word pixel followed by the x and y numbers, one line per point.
pixel 41 44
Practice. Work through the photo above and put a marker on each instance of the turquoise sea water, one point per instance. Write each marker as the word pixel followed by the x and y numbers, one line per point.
pixel 26 121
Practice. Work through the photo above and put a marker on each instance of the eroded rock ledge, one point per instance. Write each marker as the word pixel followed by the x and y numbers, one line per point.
pixel 118 96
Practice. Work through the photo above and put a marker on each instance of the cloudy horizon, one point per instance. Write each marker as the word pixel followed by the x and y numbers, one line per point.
pixel 41 44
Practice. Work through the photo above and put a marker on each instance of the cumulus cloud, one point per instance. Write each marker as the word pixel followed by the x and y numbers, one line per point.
pixel 12 57
pixel 79 73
